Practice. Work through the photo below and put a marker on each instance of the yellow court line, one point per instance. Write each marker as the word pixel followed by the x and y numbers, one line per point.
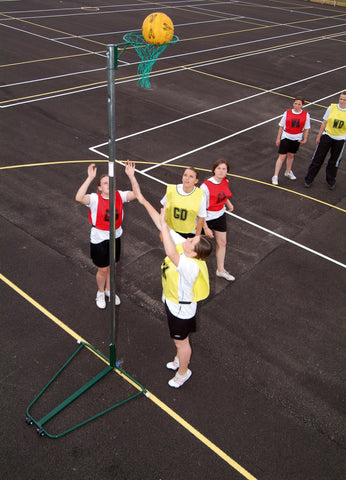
pixel 187 66
pixel 259 28
pixel 51 29
pixel 53 58
pixel 251 86
pixel 179 166
pixel 148 394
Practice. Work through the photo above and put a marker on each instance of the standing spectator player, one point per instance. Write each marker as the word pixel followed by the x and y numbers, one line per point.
pixel 98 204
pixel 218 194
pixel 293 131
pixel 185 210
pixel 331 136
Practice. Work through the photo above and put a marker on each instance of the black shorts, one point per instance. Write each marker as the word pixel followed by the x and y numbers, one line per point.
pixel 180 328
pixel 186 235
pixel 288 146
pixel 99 252
pixel 218 224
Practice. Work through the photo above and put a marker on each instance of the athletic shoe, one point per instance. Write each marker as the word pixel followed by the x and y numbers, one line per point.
pixel 307 185
pixel 117 299
pixel 331 187
pixel 179 380
pixel 173 365
pixel 225 275
pixel 100 300
pixel 290 175
pixel 275 180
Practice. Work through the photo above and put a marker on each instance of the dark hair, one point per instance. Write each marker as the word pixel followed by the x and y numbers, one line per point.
pixel 342 93
pixel 204 247
pixel 301 99
pixel 218 162
pixel 193 169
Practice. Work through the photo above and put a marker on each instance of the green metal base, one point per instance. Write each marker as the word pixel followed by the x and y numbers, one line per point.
pixel 40 423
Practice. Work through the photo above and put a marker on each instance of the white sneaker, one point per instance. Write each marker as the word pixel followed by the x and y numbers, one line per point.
pixel 100 300
pixel 117 299
pixel 179 380
pixel 275 180
pixel 225 275
pixel 173 365
pixel 290 175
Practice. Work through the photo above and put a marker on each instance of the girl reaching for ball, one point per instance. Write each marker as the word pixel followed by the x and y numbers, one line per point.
pixel 98 204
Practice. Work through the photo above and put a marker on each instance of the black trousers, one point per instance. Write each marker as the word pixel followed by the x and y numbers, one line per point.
pixel 336 148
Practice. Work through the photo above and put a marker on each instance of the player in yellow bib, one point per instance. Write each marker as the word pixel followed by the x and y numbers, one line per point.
pixel 331 137
pixel 185 205
pixel 185 281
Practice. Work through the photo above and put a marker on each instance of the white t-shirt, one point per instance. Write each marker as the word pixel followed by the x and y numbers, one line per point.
pixel 188 272
pixel 211 215
pixel 297 136
pixel 202 212
pixel 97 235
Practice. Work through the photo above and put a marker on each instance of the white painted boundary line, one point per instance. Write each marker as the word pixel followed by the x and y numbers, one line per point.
pixel 144 172
pixel 174 70
pixel 288 240
pixel 134 63
pixel 249 222
pixel 181 119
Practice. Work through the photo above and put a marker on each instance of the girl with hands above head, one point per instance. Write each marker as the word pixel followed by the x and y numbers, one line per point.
pixel 98 204
pixel 185 281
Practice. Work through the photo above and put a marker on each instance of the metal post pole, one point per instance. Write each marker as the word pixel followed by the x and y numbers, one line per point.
pixel 111 66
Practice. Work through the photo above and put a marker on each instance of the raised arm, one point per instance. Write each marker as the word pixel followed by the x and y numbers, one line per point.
pixel 81 195
pixel 154 214
pixel 168 243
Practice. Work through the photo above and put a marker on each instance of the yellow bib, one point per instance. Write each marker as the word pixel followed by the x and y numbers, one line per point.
pixel 170 279
pixel 336 123
pixel 182 210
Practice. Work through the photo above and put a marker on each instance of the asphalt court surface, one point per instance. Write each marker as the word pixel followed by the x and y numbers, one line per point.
pixel 266 398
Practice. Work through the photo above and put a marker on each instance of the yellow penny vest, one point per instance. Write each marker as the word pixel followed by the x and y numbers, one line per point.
pixel 336 123
pixel 170 279
pixel 182 210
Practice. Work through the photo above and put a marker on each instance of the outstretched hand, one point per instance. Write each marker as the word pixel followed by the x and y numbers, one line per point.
pixel 92 170
pixel 130 172
pixel 130 168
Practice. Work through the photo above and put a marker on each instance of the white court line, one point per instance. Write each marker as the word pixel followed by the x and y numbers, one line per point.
pixel 119 32
pixel 174 70
pixel 197 52
pixel 288 240
pixel 144 173
pixel 55 41
pixel 203 112
pixel 249 222
pixel 171 5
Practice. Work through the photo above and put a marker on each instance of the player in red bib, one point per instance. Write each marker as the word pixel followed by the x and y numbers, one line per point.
pixel 293 131
pixel 218 197
pixel 98 204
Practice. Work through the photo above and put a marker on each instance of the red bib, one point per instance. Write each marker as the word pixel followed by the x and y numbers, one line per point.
pixel 102 216
pixel 295 122
pixel 218 194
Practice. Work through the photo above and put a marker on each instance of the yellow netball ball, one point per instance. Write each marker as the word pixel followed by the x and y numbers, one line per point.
pixel 158 28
